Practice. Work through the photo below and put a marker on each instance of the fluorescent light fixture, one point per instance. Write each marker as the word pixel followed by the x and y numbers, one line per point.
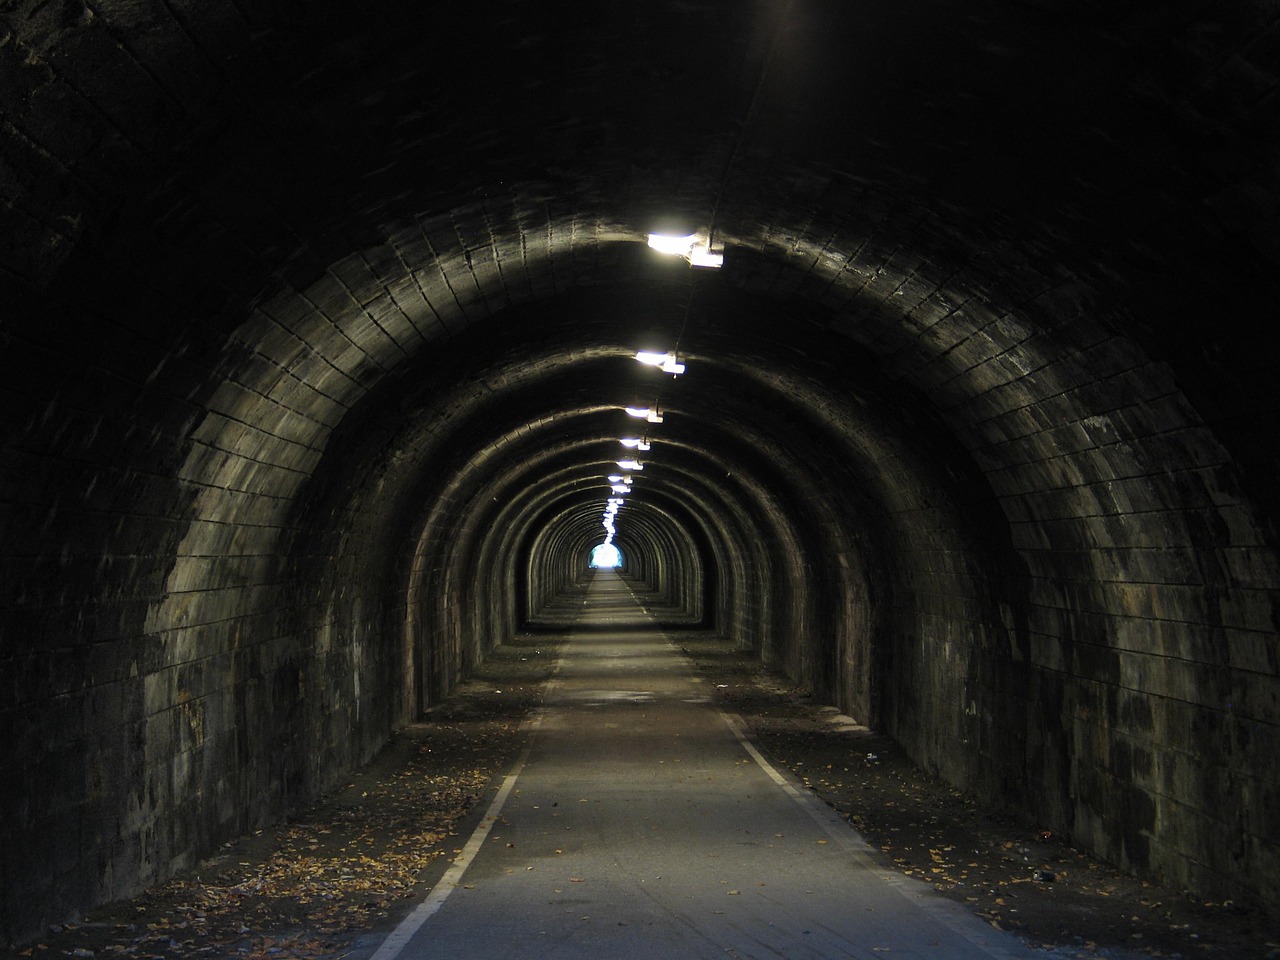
pixel 703 257
pixel 616 501
pixel 631 464
pixel 635 443
pixel 693 248
pixel 679 246
pixel 615 477
pixel 653 416
pixel 620 488
pixel 666 361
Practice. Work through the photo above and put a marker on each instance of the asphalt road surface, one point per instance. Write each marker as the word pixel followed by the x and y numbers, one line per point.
pixel 641 823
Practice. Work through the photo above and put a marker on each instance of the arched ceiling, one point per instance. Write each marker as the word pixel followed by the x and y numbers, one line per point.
pixel 247 237
pixel 321 195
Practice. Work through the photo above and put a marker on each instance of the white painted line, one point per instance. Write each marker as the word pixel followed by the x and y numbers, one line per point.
pixel 955 917
pixel 399 938
pixel 831 823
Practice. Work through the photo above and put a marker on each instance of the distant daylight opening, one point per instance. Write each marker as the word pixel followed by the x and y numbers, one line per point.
pixel 606 556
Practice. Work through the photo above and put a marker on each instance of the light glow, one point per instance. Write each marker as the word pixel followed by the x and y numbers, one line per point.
pixel 635 443
pixel 620 488
pixel 704 257
pixel 644 413
pixel 606 556
pixel 666 361
pixel 679 246
pixel 631 464
pixel 693 248
pixel 655 359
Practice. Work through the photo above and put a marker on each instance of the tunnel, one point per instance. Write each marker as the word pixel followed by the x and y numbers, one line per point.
pixel 318 330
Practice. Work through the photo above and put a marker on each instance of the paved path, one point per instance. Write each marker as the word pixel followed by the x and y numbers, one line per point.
pixel 640 824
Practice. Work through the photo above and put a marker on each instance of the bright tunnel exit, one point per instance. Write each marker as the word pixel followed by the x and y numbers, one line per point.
pixel 606 556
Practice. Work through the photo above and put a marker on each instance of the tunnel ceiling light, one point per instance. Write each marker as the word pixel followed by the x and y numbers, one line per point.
pixel 676 246
pixel 617 501
pixel 666 361
pixel 620 488
pixel 696 248
pixel 615 478
pixel 705 257
pixel 631 464
pixel 635 443
pixel 645 413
